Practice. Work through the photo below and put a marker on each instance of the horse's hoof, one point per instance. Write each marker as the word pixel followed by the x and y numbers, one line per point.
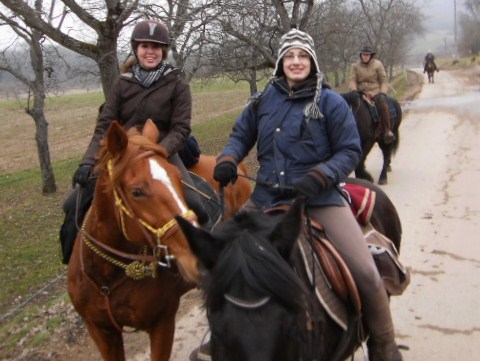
pixel 382 182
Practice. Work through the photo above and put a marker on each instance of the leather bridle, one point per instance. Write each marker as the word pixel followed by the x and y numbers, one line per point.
pixel 160 256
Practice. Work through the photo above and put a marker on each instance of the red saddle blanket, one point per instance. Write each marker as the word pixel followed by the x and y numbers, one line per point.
pixel 361 201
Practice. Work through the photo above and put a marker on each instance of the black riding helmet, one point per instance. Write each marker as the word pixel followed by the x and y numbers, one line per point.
pixel 149 31
pixel 367 49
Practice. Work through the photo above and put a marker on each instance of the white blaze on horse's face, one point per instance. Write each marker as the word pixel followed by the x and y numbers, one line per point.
pixel 159 173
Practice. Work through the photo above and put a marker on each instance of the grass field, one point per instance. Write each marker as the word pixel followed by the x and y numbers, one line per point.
pixel 29 221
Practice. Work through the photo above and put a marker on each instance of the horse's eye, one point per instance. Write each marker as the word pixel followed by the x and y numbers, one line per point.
pixel 136 192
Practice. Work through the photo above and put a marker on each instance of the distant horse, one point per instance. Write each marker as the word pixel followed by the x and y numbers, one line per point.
pixel 260 305
pixel 430 68
pixel 368 128
pixel 131 263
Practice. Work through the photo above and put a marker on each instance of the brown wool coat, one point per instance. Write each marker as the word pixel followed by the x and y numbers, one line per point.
pixel 370 78
pixel 168 104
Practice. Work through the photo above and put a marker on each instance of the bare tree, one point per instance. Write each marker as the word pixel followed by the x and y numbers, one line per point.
pixel 334 26
pixel 189 22
pixel 113 16
pixel 245 34
pixel 469 40
pixel 388 25
pixel 35 82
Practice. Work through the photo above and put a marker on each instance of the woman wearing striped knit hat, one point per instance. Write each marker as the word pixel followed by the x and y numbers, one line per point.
pixel 307 143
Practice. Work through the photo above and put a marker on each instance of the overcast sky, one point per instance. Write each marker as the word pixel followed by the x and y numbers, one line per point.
pixel 439 29
pixel 439 26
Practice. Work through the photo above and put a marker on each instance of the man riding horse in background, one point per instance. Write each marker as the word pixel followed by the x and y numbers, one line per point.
pixel 368 75
pixel 429 58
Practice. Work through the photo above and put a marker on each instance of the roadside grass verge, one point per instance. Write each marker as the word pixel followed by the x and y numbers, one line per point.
pixel 451 63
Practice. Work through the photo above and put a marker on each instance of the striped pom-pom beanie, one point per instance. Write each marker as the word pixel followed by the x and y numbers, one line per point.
pixel 298 39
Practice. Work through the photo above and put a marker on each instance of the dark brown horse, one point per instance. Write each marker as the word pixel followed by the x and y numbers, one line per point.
pixel 430 69
pixel 368 127
pixel 260 305
pixel 131 263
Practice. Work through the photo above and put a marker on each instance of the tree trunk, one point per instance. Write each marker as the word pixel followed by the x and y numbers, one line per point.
pixel 344 75
pixel 37 112
pixel 107 59
pixel 253 81
pixel 41 137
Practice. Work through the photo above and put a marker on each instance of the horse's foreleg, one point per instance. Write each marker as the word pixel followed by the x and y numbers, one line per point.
pixel 361 172
pixel 161 339
pixel 109 342
pixel 387 157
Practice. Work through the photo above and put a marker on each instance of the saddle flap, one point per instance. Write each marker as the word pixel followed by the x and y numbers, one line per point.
pixel 336 270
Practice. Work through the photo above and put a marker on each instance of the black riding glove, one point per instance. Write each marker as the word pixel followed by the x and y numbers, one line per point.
pixel 312 184
pixel 82 174
pixel 225 172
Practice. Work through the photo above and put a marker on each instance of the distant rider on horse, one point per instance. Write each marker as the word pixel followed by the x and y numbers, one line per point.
pixel 368 75
pixel 429 58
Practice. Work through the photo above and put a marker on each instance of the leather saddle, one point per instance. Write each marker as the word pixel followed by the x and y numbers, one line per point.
pixel 335 286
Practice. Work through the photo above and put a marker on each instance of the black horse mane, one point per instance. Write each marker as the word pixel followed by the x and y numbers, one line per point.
pixel 249 255
pixel 352 98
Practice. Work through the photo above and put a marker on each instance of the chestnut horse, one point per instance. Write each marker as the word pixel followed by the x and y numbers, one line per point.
pixel 130 263
pixel 368 129
pixel 430 68
pixel 259 301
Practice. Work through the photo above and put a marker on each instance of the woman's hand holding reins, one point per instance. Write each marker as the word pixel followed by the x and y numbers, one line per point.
pixel 312 184
pixel 225 172
pixel 82 174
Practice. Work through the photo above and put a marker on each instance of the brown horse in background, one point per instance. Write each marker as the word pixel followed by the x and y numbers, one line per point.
pixel 235 195
pixel 430 68
pixel 131 263
pixel 368 130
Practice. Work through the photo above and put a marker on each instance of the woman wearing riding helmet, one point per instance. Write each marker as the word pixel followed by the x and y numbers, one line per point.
pixel 149 88
pixel 368 75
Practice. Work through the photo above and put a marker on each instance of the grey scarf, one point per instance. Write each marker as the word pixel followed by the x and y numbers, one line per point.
pixel 148 77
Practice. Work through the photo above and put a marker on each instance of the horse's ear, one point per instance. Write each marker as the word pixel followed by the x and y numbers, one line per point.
pixel 203 244
pixel 150 131
pixel 287 230
pixel 117 139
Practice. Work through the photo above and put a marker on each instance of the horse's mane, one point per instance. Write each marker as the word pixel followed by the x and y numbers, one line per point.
pixel 249 255
pixel 352 98
pixel 136 142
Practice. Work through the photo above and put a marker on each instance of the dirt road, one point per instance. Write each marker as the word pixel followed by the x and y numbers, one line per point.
pixel 433 184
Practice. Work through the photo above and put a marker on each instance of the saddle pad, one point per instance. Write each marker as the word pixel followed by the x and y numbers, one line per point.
pixel 361 200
